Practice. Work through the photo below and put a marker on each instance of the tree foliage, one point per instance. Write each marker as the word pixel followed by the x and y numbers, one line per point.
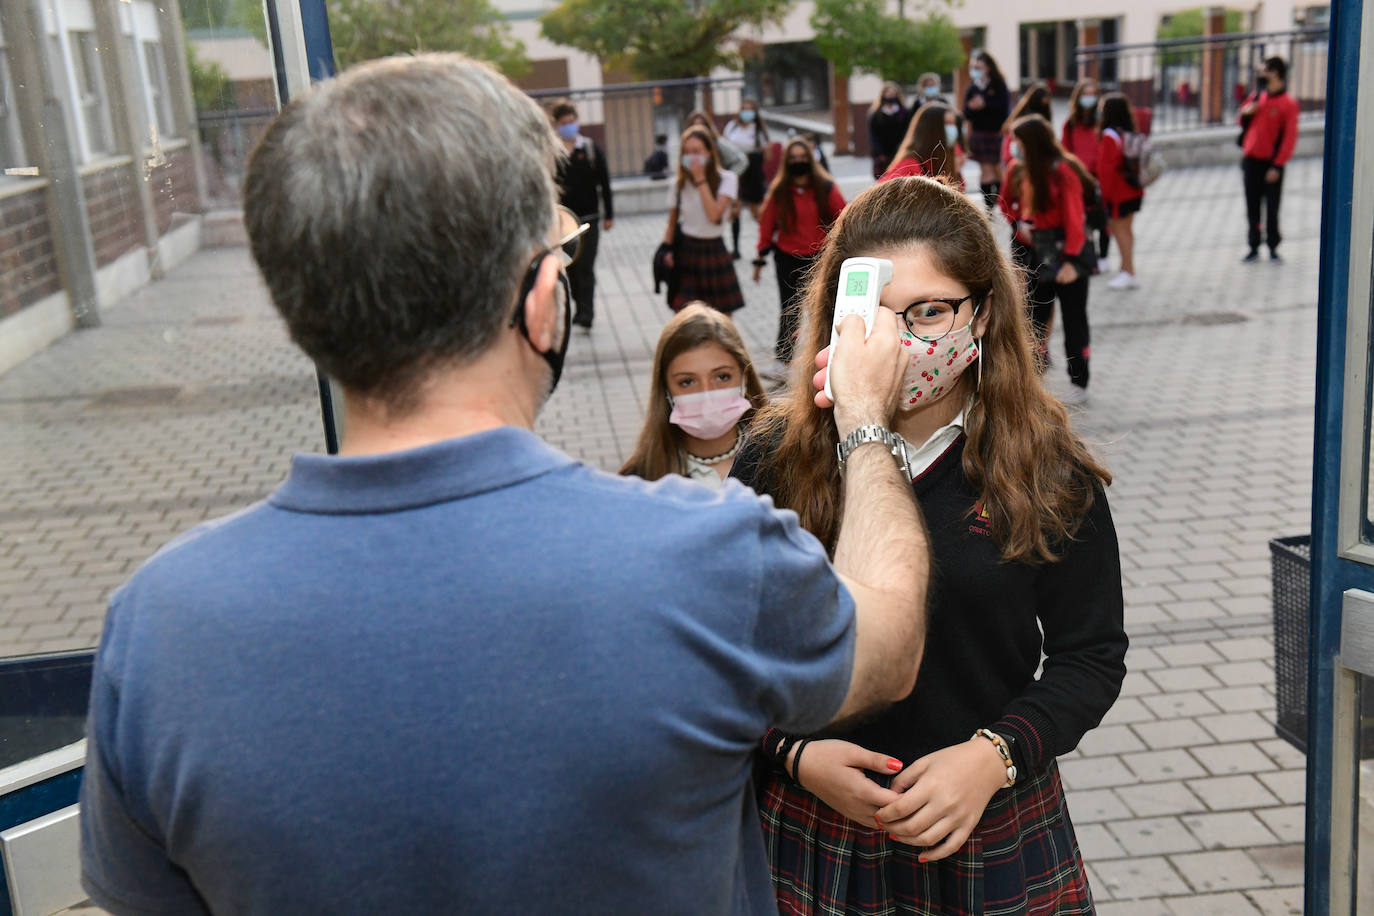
pixel 225 15
pixel 368 29
pixel 1192 24
pixel 659 39
pixel 209 84
pixel 860 35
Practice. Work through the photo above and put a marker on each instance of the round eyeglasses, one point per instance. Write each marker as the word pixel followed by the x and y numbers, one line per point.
pixel 931 319
pixel 570 232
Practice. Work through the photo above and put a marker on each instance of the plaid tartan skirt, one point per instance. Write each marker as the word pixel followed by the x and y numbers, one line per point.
pixel 705 272
pixel 1021 859
pixel 985 146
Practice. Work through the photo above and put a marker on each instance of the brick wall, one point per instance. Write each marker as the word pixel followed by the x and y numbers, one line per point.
pixel 28 262
pixel 112 206
pixel 174 188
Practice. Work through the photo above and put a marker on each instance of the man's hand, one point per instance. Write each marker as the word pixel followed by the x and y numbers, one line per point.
pixel 867 373
pixel 943 797
pixel 1272 175
pixel 833 771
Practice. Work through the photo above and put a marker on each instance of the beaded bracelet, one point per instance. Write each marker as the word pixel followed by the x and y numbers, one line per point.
pixel 1002 752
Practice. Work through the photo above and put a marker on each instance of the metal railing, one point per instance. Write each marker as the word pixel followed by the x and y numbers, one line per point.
pixel 227 137
pixel 624 118
pixel 1191 83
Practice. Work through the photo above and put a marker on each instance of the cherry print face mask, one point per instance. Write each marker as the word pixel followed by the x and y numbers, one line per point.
pixel 936 365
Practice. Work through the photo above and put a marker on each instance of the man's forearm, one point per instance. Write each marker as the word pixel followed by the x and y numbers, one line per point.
pixel 882 548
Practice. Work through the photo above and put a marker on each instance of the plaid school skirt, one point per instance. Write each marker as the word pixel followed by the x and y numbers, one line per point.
pixel 705 271
pixel 985 146
pixel 1021 859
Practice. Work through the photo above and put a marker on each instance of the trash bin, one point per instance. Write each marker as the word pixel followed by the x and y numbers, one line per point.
pixel 1291 567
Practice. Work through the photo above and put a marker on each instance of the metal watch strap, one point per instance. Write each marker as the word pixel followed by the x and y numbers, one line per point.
pixel 874 433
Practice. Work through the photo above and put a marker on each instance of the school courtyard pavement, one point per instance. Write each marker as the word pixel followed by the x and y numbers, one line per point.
pixel 188 401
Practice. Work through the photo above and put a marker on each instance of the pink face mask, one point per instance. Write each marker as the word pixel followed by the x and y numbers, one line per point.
pixel 708 414
pixel 936 366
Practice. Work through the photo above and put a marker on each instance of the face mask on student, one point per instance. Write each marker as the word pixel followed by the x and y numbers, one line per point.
pixel 977 74
pixel 746 115
pixel 1087 101
pixel 891 106
pixel 936 366
pixel 693 160
pixel 568 131
pixel 1015 150
pixel 708 414
pixel 951 134
pixel 798 169
pixel 931 91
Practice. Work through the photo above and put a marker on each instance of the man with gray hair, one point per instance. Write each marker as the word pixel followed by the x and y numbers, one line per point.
pixel 452 670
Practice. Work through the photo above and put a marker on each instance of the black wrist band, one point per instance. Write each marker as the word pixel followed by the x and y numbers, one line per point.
pixel 796 759
pixel 760 262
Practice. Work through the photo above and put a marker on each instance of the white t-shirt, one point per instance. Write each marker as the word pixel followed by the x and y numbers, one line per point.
pixel 745 136
pixel 691 216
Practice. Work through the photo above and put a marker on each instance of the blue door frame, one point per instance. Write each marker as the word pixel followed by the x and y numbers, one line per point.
pixel 1331 574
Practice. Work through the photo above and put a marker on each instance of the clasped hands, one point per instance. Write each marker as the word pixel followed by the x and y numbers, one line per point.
pixel 934 803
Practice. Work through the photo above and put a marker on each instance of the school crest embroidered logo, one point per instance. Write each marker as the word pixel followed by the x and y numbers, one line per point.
pixel 982 522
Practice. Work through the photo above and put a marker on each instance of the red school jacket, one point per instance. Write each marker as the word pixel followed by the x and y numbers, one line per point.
pixel 1273 129
pixel 1065 210
pixel 1115 188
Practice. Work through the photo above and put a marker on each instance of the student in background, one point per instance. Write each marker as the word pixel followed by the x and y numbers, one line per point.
pixel 1269 118
pixel 888 120
pixel 656 165
pixel 747 132
pixel 1120 194
pixel 1043 200
pixel 931 147
pixel 986 104
pixel 928 87
pixel 801 205
pixel 1081 138
pixel 582 178
pixel 702 392
pixel 1035 100
pixel 698 204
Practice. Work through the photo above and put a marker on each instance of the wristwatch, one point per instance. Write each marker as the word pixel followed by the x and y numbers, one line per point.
pixel 874 433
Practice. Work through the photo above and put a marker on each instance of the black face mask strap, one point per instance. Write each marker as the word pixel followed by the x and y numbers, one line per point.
pixel 552 357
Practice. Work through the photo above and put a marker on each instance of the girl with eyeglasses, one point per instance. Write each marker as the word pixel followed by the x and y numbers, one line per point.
pixel 950 800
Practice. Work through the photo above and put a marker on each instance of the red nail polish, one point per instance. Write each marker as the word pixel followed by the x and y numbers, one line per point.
pixel 894 765
pixel 922 859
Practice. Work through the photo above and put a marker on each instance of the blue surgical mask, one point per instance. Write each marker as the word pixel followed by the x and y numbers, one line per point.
pixel 1016 151
pixel 951 134
pixel 746 115
pixel 568 131
pixel 1087 101
pixel 691 160
pixel 931 91
pixel 976 74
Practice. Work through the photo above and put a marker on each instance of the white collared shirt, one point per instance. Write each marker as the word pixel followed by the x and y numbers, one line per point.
pixel 921 458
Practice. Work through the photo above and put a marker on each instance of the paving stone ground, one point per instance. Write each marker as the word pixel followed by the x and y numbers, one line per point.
pixel 189 400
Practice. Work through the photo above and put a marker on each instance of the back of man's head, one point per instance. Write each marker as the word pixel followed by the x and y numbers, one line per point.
pixel 393 212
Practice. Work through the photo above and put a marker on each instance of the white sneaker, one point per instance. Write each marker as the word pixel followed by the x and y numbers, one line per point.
pixel 1124 280
pixel 1104 265
pixel 1074 396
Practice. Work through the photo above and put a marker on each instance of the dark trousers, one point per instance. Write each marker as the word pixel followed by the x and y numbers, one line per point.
pixel 582 273
pixel 791 271
pixel 1104 242
pixel 1260 192
pixel 1073 311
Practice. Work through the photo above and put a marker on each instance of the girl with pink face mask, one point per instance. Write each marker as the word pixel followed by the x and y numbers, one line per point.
pixel 949 801
pixel 704 389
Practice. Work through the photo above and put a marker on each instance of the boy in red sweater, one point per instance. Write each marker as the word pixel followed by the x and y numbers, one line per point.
pixel 1270 121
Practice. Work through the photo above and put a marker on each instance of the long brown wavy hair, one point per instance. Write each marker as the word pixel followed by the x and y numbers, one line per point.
pixel 925 142
pixel 1041 152
pixel 658 452
pixel 780 190
pixel 712 159
pixel 1034 477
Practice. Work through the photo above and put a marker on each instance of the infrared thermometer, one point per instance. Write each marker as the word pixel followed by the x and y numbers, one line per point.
pixel 861 284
